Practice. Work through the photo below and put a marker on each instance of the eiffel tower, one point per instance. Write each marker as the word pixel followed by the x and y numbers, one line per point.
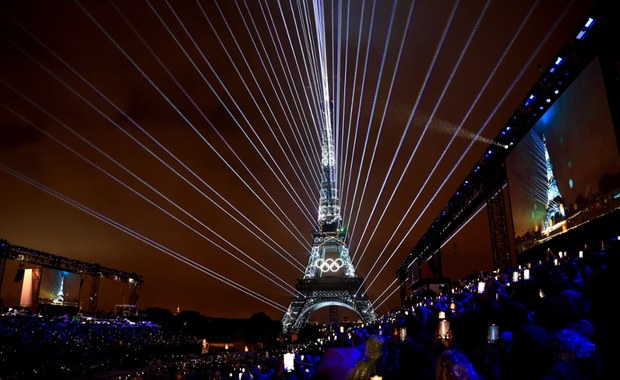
pixel 555 214
pixel 329 278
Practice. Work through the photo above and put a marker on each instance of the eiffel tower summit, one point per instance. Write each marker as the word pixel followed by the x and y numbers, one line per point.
pixel 329 278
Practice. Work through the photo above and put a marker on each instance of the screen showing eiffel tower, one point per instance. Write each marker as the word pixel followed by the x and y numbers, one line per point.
pixel 566 170
pixel 59 288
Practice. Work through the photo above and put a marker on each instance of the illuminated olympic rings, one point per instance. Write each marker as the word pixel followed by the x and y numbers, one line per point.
pixel 329 265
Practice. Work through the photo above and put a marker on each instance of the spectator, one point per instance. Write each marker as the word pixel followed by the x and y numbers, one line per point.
pixel 374 361
pixel 454 365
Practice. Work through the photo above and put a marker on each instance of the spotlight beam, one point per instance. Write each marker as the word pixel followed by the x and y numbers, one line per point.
pixel 396 68
pixel 298 170
pixel 502 99
pixel 313 76
pixel 286 110
pixel 339 122
pixel 282 57
pixel 408 125
pixel 146 199
pixel 144 239
pixel 471 217
pixel 359 108
pixel 277 176
pixel 313 154
pixel 294 93
pixel 190 124
pixel 345 193
pixel 297 264
pixel 372 114
pixel 378 304
pixel 494 70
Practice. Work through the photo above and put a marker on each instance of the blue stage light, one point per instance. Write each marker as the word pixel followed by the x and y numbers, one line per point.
pixel 559 61
pixel 530 99
pixel 588 25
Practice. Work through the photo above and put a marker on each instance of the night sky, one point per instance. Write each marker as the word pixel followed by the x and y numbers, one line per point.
pixel 180 140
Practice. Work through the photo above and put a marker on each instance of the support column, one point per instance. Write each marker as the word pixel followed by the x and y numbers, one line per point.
pixel 2 267
pixel 94 290
pixel 498 227
pixel 133 294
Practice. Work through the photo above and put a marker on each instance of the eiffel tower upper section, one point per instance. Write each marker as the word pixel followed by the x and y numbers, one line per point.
pixel 329 278
pixel 330 232
pixel 329 205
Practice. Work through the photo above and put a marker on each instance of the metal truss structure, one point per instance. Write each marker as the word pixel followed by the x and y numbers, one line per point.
pixel 498 227
pixel 38 258
pixel 487 178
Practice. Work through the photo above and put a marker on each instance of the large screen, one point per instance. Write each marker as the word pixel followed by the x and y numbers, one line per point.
pixel 566 170
pixel 59 288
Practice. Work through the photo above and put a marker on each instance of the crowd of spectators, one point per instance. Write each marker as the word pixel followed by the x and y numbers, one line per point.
pixel 548 319
pixel 38 346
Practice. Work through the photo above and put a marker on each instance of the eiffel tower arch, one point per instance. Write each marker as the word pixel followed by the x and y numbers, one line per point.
pixel 329 280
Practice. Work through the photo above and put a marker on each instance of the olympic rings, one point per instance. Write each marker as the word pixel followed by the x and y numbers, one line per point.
pixel 329 265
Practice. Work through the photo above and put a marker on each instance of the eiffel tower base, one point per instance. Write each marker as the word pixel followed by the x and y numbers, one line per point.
pixel 314 294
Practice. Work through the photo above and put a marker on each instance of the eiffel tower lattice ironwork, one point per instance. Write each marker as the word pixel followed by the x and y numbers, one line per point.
pixel 329 278
pixel 555 214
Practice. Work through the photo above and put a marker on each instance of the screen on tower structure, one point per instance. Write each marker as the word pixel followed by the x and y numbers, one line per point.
pixel 566 170
pixel 59 288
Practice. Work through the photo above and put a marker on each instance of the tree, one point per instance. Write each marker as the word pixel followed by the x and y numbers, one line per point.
pixel 261 329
